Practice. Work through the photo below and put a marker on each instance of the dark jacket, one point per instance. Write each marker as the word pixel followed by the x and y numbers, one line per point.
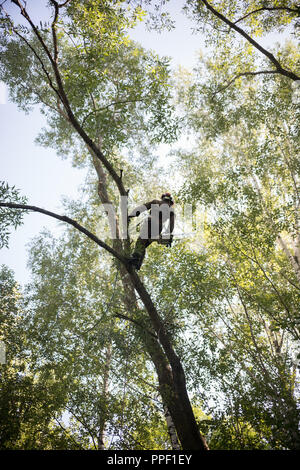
pixel 160 213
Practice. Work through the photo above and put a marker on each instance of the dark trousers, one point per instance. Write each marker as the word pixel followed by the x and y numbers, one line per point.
pixel 140 250
pixel 142 244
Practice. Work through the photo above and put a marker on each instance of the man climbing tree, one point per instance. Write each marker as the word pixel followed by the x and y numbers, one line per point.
pixel 161 214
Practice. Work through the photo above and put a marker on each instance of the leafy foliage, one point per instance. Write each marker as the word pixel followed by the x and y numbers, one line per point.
pixel 119 92
pixel 244 174
pixel 9 217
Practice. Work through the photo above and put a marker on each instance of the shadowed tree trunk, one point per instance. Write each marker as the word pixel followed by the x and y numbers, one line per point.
pixel 103 404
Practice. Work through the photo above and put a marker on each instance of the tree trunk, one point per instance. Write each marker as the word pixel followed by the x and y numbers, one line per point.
pixel 171 376
pixel 168 366
pixel 171 430
pixel 294 260
pixel 103 405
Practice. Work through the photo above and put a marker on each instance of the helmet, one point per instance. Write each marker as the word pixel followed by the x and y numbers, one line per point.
pixel 168 197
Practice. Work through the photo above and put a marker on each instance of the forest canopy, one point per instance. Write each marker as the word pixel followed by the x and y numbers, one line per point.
pixel 199 349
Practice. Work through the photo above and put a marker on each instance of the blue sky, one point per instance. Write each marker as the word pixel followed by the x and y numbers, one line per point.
pixel 38 172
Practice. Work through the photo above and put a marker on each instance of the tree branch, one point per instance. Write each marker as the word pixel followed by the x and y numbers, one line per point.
pixel 261 49
pixel 68 434
pixel 103 108
pixel 62 4
pixel 53 28
pixel 34 29
pixel 65 101
pixel 33 51
pixel 245 74
pixel 290 10
pixel 135 322
pixel 82 422
pixel 68 220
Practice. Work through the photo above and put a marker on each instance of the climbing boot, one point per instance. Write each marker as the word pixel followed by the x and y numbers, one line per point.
pixel 135 262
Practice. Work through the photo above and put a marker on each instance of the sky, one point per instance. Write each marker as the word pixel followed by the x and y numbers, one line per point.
pixel 38 172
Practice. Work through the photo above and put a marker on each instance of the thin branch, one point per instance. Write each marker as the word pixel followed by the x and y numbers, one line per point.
pixel 33 51
pixel 289 280
pixel 70 435
pixel 271 282
pixel 95 110
pixel 251 328
pixel 35 30
pixel 63 4
pixel 125 317
pixel 286 154
pixel 255 260
pixel 245 74
pixel 282 243
pixel 290 256
pixel 65 101
pixel 69 221
pixel 239 30
pixel 82 422
pixel 290 10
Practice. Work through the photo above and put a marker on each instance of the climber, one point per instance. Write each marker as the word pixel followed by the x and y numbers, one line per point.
pixel 161 211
